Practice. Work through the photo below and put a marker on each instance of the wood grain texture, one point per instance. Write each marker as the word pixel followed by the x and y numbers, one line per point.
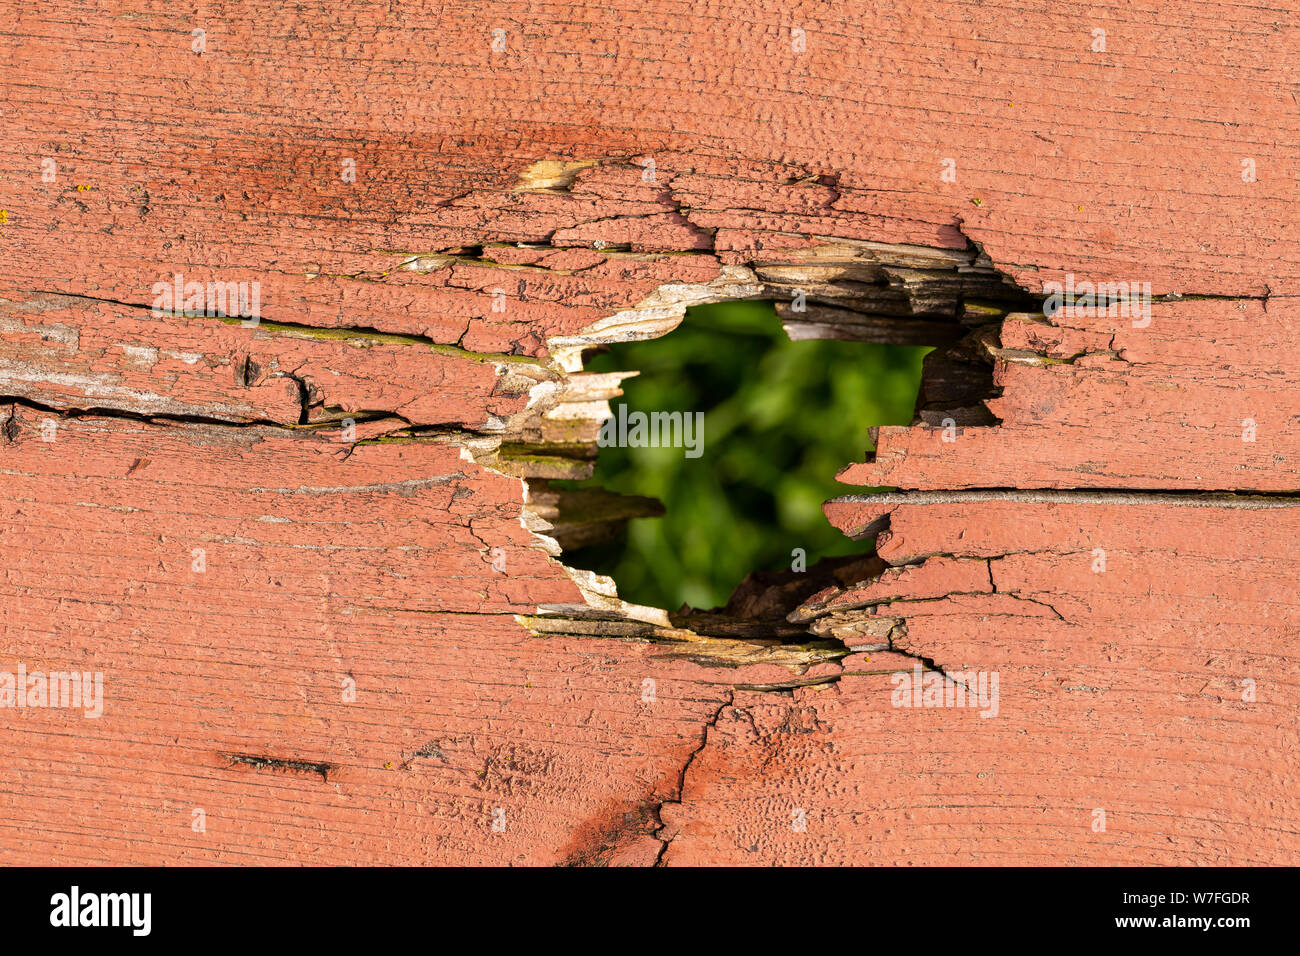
pixel 605 168
pixel 319 566
pixel 1204 397
pixel 1160 690
pixel 78 353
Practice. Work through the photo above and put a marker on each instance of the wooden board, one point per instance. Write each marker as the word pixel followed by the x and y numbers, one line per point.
pixel 384 658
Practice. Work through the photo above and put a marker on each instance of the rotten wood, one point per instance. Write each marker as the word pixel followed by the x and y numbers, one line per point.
pixel 384 658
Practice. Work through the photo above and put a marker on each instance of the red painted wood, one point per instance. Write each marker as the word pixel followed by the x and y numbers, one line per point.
pixel 1120 690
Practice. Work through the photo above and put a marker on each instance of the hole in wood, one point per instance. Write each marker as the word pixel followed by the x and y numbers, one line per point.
pixel 722 450
pixel 745 491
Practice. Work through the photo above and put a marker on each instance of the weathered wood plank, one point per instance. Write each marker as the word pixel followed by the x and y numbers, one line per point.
pixel 584 180
pixel 1158 686
pixel 319 568
pixel 1202 398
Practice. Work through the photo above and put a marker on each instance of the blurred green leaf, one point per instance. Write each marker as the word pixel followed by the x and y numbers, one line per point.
pixel 781 418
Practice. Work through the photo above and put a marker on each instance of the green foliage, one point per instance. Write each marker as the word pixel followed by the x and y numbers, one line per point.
pixel 781 418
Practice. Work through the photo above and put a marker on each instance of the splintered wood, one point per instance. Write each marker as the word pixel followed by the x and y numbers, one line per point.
pixel 293 310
